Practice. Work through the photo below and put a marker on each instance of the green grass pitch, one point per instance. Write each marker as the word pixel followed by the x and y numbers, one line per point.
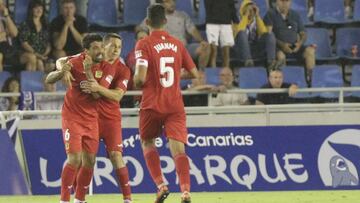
pixel 213 197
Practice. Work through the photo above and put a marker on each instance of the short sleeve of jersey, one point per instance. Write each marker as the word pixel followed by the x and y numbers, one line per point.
pixel 187 62
pixel 123 79
pixel 108 75
pixel 141 53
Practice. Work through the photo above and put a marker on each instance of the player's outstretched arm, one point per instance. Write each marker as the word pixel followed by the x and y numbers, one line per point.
pixel 62 66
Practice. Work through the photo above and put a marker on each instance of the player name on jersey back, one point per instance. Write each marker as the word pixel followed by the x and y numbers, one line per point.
pixel 165 46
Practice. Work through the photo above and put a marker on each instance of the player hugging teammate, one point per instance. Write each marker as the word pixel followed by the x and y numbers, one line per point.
pixel 97 81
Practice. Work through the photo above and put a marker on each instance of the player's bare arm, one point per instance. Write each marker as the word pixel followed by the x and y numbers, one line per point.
pixel 94 87
pixel 63 68
pixel 140 74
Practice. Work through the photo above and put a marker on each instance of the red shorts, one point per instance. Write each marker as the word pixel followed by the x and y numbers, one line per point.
pixel 152 123
pixel 80 136
pixel 110 132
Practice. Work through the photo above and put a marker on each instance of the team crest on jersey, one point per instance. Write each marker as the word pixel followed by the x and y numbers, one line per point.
pixel 98 74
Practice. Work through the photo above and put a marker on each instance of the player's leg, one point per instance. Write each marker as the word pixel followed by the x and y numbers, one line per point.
pixel 175 129
pixel 182 166
pixel 110 132
pixel 90 145
pixel 150 128
pixel 72 141
pixel 122 174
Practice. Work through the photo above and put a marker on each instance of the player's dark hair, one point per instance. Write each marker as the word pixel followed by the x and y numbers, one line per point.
pixel 90 38
pixel 156 15
pixel 108 36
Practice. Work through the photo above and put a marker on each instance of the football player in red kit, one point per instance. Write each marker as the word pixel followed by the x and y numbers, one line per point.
pixel 80 117
pixel 109 110
pixel 159 62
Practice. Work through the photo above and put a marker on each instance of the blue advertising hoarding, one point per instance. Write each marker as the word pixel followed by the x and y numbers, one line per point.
pixel 222 159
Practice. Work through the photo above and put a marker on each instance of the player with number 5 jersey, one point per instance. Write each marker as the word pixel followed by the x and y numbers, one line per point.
pixel 160 59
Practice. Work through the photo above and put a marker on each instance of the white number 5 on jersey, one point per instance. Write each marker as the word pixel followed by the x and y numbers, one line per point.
pixel 166 71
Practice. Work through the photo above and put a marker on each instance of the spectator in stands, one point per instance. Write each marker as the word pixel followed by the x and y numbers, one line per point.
pixel 8 31
pixel 219 17
pixel 11 85
pixel 253 39
pixel 34 38
pixel 180 25
pixel 290 35
pixel 68 30
pixel 276 81
pixel 198 84
pixel 228 99
pixel 49 102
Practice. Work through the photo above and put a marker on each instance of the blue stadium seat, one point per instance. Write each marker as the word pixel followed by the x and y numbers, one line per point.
pixel 53 10
pixel 356 10
pixel 320 37
pixel 60 86
pixel 4 75
pixel 20 10
pixel 135 11
pixel 327 76
pixel 345 39
pixel 329 11
pixel 355 79
pixel 212 76
pixel 186 6
pixel 185 83
pixel 296 75
pixel 128 40
pixel 102 13
pixel 252 78
pixel 32 81
pixel 300 6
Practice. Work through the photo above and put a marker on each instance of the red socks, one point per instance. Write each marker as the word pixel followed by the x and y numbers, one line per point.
pixel 123 177
pixel 183 171
pixel 83 181
pixel 152 159
pixel 68 176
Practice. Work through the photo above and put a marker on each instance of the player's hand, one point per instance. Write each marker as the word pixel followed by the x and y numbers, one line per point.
pixel 87 63
pixel 66 67
pixel 67 79
pixel 89 86
pixel 293 90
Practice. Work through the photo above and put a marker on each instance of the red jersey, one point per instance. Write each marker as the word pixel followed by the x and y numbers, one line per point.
pixel 78 105
pixel 110 109
pixel 164 57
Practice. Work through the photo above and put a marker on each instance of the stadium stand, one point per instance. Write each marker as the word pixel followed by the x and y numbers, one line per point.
pixel 102 13
pixel 252 78
pixel 296 75
pixel 332 13
pixel 31 81
pixel 320 38
pixel 327 76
